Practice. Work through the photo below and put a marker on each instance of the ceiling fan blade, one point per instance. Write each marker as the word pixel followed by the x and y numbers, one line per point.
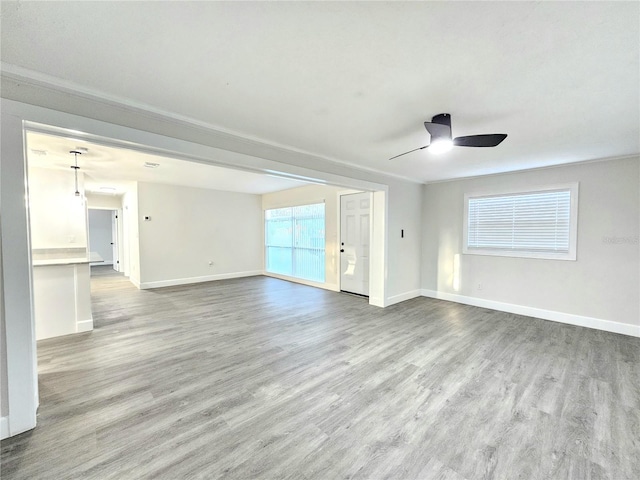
pixel 414 150
pixel 490 140
pixel 438 130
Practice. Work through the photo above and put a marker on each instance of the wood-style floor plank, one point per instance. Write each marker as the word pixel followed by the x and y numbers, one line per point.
pixel 262 378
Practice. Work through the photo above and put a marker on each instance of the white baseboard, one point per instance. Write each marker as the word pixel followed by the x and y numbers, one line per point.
pixel 326 286
pixel 4 428
pixel 135 282
pixel 84 325
pixel 377 301
pixel 569 318
pixel 402 297
pixel 189 280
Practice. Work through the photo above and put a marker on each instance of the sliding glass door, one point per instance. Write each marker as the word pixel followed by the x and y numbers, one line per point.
pixel 295 241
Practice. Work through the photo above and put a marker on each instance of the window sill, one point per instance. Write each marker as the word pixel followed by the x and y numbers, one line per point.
pixel 571 256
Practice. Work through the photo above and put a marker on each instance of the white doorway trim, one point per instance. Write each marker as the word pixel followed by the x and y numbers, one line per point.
pixel 16 274
pixel 116 233
pixel 378 247
pixel 17 284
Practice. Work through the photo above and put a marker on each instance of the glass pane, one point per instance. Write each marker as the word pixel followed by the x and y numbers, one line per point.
pixel 532 222
pixel 295 241
pixel 279 232
pixel 279 260
pixel 309 264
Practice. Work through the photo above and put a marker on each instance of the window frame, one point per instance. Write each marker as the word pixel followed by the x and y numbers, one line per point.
pixel 293 247
pixel 571 255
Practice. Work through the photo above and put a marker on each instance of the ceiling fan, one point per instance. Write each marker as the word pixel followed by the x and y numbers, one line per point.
pixel 440 130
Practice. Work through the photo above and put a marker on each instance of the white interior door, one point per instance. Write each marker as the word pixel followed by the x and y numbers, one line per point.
pixel 114 240
pixel 355 216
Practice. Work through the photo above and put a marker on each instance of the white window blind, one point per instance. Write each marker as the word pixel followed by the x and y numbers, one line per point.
pixel 535 224
pixel 295 241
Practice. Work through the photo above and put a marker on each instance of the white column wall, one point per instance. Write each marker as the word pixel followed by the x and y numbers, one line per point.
pixel 17 307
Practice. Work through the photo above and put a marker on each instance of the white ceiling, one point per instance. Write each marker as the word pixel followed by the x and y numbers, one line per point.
pixel 106 168
pixel 354 81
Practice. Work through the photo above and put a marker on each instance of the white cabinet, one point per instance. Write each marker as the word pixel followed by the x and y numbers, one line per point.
pixel 61 297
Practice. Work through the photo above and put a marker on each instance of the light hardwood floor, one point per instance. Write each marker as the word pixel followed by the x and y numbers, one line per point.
pixel 261 378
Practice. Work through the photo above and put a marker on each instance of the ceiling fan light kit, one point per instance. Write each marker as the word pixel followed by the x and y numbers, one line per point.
pixel 441 140
pixel 439 146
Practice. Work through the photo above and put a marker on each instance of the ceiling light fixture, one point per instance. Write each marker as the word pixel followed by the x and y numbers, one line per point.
pixel 440 130
pixel 441 146
pixel 75 169
pixel 151 165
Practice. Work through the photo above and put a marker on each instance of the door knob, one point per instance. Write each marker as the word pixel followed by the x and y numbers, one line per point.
pixel 342 250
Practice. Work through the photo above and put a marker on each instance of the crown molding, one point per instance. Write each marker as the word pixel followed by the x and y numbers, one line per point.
pixel 21 75
pixel 535 169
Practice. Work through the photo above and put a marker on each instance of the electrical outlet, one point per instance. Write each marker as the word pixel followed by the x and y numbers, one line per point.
pixel 479 286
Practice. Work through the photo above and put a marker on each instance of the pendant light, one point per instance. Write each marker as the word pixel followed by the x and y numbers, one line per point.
pixel 76 168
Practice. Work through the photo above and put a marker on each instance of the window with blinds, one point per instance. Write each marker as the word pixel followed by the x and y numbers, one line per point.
pixel 295 241
pixel 541 223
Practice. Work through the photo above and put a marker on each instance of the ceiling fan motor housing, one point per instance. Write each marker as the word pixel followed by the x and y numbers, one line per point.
pixel 442 119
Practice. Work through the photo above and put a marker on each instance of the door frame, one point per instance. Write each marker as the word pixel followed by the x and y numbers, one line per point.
pixel 17 285
pixel 341 194
pixel 17 282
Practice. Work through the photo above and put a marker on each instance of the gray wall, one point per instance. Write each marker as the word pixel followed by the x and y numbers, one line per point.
pixel 404 213
pixel 604 281
pixel 4 392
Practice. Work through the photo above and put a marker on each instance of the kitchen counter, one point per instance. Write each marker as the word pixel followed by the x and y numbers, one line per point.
pixel 64 257
pixel 62 291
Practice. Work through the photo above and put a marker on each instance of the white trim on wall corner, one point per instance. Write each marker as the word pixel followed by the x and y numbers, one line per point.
pixel 568 318
pixel 377 302
pixel 392 300
pixel 189 280
pixel 84 325
pixel 326 286
pixel 4 428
